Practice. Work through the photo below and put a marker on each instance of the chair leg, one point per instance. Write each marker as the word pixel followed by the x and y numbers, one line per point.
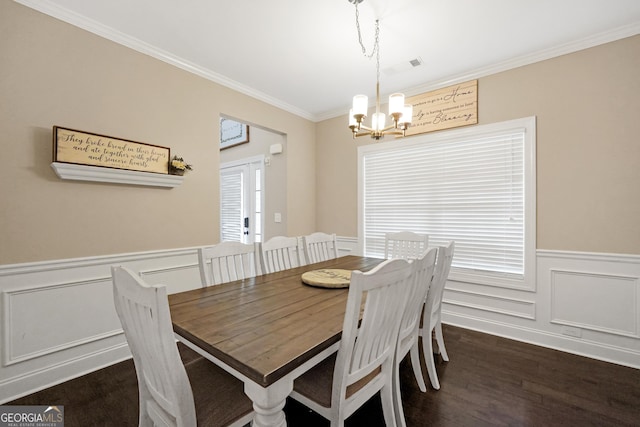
pixel 440 340
pixel 386 396
pixel 415 364
pixel 397 397
pixel 144 419
pixel 427 346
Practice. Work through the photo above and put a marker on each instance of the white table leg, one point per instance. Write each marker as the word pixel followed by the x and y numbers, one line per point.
pixel 269 402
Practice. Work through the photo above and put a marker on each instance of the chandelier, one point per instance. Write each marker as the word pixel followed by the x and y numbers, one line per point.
pixel 399 112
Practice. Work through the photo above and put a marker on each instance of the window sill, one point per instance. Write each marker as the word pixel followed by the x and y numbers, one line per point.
pixel 116 176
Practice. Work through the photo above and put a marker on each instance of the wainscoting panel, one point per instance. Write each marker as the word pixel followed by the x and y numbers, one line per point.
pixel 600 302
pixel 584 303
pixel 58 320
pixel 182 277
pixel 500 304
pixel 347 246
pixel 61 305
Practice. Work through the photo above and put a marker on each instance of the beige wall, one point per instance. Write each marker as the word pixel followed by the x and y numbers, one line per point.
pixel 588 148
pixel 52 73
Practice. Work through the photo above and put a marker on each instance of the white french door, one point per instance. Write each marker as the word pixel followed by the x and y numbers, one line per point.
pixel 242 200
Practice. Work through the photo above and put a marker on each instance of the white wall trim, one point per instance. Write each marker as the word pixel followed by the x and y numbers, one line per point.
pixel 8 331
pixel 513 313
pixel 529 305
pixel 123 39
pixel 109 33
pixel 48 376
pixel 585 303
pixel 347 245
pixel 86 333
pixel 70 263
pixel 160 271
pixel 589 256
pixel 594 350
pixel 633 297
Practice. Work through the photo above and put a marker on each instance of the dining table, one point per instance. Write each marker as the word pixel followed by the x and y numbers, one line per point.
pixel 266 330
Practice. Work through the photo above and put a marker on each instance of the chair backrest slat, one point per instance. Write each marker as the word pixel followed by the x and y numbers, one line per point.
pixel 281 253
pixel 165 392
pixel 433 304
pixel 320 247
pixel 405 245
pixel 423 269
pixel 226 262
pixel 370 344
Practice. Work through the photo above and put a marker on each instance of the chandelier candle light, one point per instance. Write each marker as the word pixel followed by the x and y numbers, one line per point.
pixel 400 112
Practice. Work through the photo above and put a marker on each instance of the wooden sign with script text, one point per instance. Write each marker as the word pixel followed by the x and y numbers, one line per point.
pixel 73 146
pixel 444 108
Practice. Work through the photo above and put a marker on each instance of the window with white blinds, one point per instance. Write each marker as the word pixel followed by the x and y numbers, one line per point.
pixel 231 206
pixel 475 186
pixel 242 200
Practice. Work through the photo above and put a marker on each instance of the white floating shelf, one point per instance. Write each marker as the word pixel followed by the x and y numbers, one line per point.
pixel 117 176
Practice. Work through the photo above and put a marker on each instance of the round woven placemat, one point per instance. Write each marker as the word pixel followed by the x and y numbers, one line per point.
pixel 327 278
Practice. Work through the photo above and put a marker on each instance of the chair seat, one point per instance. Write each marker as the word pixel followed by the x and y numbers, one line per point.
pixel 316 383
pixel 230 403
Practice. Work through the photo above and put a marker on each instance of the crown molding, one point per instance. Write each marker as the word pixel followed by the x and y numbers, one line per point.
pixel 520 61
pixel 77 20
pixel 65 15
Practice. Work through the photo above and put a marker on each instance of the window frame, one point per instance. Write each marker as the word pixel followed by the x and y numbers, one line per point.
pixel 528 125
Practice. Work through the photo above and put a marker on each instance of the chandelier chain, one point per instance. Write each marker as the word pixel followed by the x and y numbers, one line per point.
pixel 376 42
pixel 400 112
pixel 376 39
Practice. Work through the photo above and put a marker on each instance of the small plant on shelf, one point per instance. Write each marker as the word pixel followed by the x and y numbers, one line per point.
pixel 178 166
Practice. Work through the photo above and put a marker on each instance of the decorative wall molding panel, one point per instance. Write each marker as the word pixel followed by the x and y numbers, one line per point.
pixel 25 336
pixel 584 303
pixel 347 246
pixel 600 302
pixel 492 303
pixel 58 320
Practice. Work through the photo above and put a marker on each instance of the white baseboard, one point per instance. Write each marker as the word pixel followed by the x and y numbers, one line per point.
pixel 585 303
pixel 40 379
pixel 594 350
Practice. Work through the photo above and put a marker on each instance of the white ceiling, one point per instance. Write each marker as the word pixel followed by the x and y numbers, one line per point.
pixel 304 56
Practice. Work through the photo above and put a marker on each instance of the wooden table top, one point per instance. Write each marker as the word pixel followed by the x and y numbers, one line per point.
pixel 266 326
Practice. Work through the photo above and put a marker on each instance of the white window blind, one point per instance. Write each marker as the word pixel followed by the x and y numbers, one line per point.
pixel 468 188
pixel 231 209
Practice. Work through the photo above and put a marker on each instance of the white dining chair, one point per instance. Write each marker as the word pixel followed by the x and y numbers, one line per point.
pixel 226 262
pixel 405 244
pixel 363 364
pixel 320 247
pixel 169 393
pixel 432 315
pixel 281 253
pixel 423 268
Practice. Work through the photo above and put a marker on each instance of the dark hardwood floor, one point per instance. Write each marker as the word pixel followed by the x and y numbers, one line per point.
pixel 489 381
